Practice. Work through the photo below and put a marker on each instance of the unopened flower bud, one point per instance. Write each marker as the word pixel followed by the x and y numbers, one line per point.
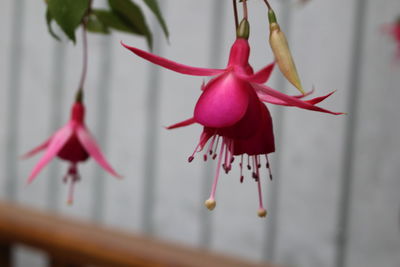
pixel 283 56
pixel 243 31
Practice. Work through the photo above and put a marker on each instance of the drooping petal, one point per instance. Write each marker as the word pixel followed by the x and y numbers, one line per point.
pixel 94 151
pixel 223 102
pixel 261 76
pixel 262 141
pixel 73 151
pixel 291 101
pixel 171 65
pixel 56 144
pixel 36 149
pixel 249 123
pixel 273 100
pixel 181 124
pixel 320 98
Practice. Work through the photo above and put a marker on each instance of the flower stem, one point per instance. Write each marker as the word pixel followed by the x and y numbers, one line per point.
pixel 268 5
pixel 245 12
pixel 235 12
pixel 85 57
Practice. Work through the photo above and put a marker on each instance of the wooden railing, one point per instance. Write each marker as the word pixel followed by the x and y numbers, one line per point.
pixel 72 243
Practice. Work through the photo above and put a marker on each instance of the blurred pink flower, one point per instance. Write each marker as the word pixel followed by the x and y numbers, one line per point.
pixel 72 143
pixel 394 31
pixel 231 110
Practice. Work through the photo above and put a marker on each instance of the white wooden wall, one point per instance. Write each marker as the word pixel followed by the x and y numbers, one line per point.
pixel 335 199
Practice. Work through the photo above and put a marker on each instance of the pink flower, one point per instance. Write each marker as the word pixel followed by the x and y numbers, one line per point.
pixel 72 143
pixel 230 108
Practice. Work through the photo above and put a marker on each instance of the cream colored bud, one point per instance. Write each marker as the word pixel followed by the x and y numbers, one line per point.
pixel 283 56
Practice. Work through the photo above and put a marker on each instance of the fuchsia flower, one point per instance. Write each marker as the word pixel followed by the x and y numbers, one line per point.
pixel 72 143
pixel 230 108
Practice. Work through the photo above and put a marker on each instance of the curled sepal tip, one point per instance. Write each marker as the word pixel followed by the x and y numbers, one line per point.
pixel 283 56
pixel 243 31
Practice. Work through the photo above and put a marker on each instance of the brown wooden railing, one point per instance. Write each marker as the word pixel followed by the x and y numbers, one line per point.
pixel 72 243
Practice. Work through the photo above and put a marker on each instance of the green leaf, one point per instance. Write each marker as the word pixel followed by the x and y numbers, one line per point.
pixel 153 5
pixel 133 17
pixel 111 20
pixel 95 25
pixel 68 14
pixel 49 19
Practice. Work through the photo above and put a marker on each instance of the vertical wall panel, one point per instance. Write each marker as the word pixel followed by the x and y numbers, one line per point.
pixel 128 90
pixel 5 45
pixel 178 201
pixel 374 238
pixel 312 142
pixel 13 88
pixel 34 111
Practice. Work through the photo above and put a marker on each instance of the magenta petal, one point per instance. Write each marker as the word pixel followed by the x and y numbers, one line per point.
pixel 181 124
pixel 94 151
pixel 289 100
pixel 262 141
pixel 261 76
pixel 223 102
pixel 57 141
pixel 273 100
pixel 163 62
pixel 36 149
pixel 319 99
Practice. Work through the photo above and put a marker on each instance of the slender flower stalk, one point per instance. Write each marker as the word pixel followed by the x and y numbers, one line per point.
pixel 235 14
pixel 84 56
pixel 245 10
pixel 268 5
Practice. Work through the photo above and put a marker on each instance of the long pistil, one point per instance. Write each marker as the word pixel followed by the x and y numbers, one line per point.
pixel 262 212
pixel 210 202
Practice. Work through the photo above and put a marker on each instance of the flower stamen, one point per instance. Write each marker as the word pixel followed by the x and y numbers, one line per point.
pixel 241 168
pixel 73 176
pixel 210 202
pixel 268 167
pixel 262 212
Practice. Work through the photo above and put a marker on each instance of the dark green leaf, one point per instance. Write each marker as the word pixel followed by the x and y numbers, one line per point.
pixel 68 14
pixel 111 20
pixel 153 5
pixel 49 19
pixel 95 25
pixel 132 16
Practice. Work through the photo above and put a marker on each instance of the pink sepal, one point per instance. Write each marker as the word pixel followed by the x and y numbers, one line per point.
pixel 181 124
pixel 289 100
pixel 261 76
pixel 56 143
pixel 36 149
pixel 94 151
pixel 166 63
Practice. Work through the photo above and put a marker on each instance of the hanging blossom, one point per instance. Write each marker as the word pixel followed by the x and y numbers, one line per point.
pixel 72 143
pixel 236 122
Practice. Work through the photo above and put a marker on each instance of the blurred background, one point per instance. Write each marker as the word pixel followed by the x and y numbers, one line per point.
pixel 334 200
